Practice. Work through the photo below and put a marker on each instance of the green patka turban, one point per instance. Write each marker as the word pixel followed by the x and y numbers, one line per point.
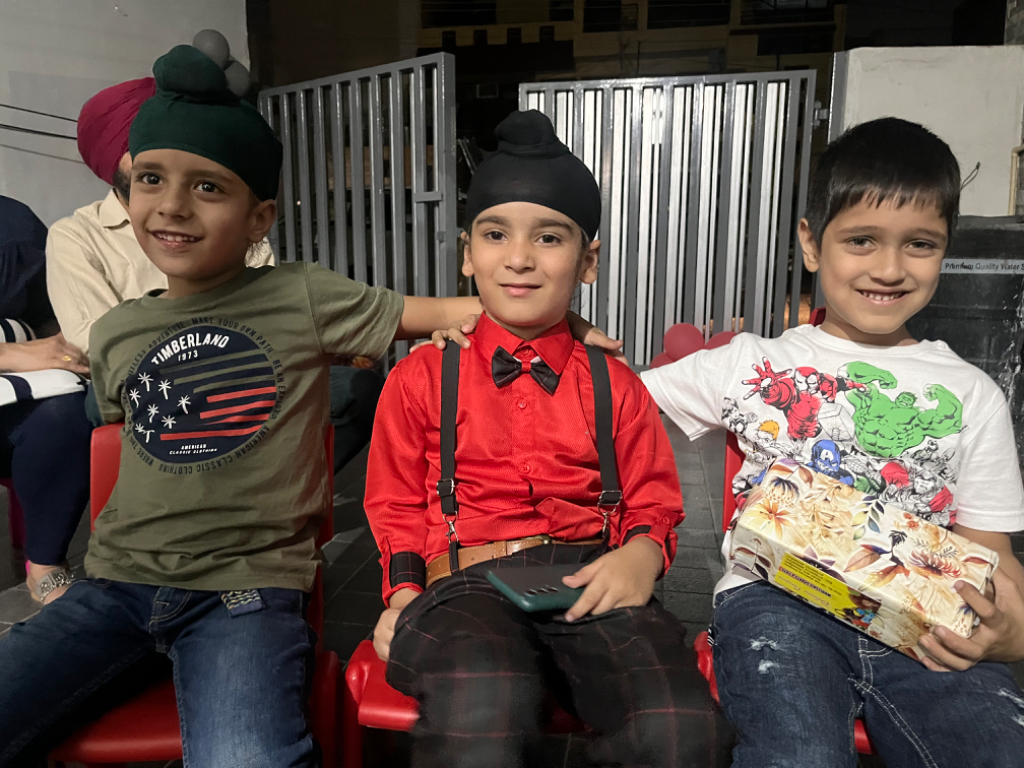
pixel 194 111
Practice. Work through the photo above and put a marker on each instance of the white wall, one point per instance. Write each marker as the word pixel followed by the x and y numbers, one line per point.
pixel 972 97
pixel 55 54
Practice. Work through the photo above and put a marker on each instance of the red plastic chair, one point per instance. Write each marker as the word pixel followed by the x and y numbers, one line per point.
pixel 683 339
pixel 705 657
pixel 15 516
pixel 371 703
pixel 146 728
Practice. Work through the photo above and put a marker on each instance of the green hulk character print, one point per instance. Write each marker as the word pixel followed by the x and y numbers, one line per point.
pixel 885 427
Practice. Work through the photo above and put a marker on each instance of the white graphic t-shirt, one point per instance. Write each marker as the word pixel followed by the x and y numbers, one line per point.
pixel 914 425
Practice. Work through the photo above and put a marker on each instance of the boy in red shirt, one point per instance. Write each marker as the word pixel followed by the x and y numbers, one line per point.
pixel 530 486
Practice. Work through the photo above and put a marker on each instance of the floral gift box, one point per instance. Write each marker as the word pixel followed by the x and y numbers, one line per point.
pixel 879 569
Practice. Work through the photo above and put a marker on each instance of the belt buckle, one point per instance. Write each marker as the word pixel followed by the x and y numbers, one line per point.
pixel 544 539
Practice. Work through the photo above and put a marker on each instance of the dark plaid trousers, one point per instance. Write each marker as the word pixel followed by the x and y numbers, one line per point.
pixel 483 670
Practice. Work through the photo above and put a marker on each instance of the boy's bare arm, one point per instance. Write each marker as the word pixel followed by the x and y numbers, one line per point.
pixel 1000 635
pixel 424 315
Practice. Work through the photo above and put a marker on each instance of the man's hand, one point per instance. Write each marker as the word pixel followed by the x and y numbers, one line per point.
pixel 580 329
pixel 384 632
pixel 622 578
pixel 999 636
pixel 43 354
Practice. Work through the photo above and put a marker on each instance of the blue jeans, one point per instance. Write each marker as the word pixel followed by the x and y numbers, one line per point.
pixel 242 673
pixel 793 680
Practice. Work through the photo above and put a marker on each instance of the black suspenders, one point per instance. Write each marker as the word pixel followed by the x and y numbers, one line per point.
pixel 449 409
pixel 611 494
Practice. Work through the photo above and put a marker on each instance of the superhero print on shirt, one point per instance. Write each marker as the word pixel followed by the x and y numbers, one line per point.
pixel 847 427
pixel 887 427
pixel 806 397
pixel 827 458
pixel 203 392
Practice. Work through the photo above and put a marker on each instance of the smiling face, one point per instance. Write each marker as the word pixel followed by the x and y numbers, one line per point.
pixel 527 261
pixel 878 266
pixel 194 218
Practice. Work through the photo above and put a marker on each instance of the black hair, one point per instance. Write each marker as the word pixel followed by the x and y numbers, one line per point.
pixel 122 183
pixel 884 159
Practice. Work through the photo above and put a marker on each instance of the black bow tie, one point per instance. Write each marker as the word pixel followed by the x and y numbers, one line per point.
pixel 505 369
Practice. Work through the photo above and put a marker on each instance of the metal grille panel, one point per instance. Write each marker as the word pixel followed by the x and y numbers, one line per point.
pixel 368 179
pixel 703 180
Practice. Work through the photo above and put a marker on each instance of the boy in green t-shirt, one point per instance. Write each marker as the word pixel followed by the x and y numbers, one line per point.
pixel 206 550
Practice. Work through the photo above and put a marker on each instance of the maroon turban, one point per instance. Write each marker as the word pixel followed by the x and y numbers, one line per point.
pixel 104 123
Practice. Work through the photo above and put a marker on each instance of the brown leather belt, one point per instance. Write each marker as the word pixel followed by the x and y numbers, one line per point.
pixel 438 568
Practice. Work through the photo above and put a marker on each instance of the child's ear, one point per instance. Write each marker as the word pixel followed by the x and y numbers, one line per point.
pixel 261 219
pixel 810 247
pixel 589 262
pixel 467 256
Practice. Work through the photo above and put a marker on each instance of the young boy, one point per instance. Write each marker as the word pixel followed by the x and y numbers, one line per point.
pixel 514 480
pixel 858 398
pixel 206 551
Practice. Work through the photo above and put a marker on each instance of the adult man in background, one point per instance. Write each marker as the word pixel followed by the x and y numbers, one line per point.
pixel 94 262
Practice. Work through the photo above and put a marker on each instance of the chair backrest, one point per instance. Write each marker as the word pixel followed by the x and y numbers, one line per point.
pixel 106 462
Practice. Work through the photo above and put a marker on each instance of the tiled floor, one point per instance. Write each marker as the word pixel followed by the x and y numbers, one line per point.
pixel 352 577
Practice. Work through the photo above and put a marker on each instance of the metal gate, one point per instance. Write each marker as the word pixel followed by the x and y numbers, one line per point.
pixel 368 180
pixel 703 180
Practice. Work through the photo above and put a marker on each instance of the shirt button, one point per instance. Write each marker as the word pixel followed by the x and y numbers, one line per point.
pixel 522 404
pixel 525 468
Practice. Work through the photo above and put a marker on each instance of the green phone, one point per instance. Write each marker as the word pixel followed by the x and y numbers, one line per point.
pixel 537 587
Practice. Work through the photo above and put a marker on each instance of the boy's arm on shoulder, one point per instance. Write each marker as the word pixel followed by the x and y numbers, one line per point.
pixel 350 318
pixel 652 504
pixel 422 315
pixel 396 494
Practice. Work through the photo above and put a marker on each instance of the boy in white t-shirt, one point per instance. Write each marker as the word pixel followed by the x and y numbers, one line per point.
pixel 860 400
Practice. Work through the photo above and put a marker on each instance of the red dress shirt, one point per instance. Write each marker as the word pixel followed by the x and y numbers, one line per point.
pixel 526 462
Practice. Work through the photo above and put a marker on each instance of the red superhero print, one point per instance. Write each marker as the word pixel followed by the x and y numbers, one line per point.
pixel 802 394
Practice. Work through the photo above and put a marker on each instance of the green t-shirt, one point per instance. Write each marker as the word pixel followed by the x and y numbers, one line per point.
pixel 223 482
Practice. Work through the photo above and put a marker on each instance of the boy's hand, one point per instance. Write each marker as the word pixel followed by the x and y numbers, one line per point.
pixel 590 334
pixel 456 333
pixel 580 329
pixel 384 632
pixel 999 636
pixel 622 578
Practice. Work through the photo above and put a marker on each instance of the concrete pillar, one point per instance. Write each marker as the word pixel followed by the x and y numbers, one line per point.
pixel 1014 35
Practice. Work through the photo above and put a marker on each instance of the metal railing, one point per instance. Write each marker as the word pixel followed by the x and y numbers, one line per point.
pixel 368 180
pixel 703 180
